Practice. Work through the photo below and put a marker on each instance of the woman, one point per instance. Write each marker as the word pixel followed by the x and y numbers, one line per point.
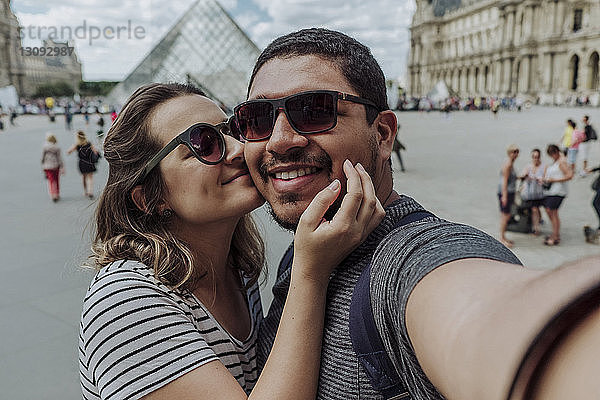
pixel 578 136
pixel 88 156
pixel 556 189
pixel 506 191
pixel 173 311
pixel 565 140
pixel 532 191
pixel 53 167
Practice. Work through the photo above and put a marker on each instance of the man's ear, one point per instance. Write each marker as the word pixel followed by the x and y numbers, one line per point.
pixel 386 127
pixel 139 198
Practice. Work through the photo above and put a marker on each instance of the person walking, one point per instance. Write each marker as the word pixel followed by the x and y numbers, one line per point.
pixel 532 191
pixel 584 147
pixel 100 123
pixel 68 118
pixel 52 165
pixel 506 191
pixel 556 189
pixel 88 157
pixel 578 136
pixel 565 140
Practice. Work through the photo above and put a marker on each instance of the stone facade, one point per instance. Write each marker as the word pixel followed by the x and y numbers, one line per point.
pixel 546 50
pixel 50 69
pixel 27 73
pixel 11 67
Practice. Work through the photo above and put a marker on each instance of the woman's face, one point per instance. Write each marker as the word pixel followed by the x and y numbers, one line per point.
pixel 199 193
pixel 536 158
pixel 513 154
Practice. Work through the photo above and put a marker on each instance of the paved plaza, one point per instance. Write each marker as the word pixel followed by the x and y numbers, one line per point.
pixel 452 169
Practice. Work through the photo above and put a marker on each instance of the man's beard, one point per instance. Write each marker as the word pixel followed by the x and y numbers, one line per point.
pixel 322 161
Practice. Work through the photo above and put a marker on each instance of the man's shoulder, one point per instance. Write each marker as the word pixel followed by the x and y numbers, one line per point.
pixel 426 244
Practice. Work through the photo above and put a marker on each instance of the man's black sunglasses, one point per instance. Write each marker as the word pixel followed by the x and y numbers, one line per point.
pixel 205 141
pixel 314 111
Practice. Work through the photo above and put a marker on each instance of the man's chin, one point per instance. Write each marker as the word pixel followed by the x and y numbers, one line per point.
pixel 286 215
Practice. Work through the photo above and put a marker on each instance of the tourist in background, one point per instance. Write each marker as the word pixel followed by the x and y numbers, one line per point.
pixel 565 140
pixel 556 189
pixel 506 191
pixel 53 166
pixel 577 137
pixel 88 157
pixel 68 118
pixel 584 147
pixel 532 191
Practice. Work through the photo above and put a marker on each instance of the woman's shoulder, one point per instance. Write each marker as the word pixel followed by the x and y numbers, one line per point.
pixel 121 282
pixel 124 275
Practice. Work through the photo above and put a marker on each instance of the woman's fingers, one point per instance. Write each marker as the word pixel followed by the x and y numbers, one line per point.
pixel 352 199
pixel 312 216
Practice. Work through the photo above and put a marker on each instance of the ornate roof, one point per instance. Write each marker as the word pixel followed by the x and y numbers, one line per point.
pixel 440 7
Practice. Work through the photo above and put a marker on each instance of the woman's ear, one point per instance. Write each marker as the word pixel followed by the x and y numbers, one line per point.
pixel 139 198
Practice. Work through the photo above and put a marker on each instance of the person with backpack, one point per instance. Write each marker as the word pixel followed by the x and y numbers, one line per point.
pixel 423 308
pixel 88 157
pixel 584 147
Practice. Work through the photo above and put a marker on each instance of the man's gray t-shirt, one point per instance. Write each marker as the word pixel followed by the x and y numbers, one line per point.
pixel 401 258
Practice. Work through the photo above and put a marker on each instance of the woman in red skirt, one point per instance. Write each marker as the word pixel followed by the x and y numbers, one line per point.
pixel 52 164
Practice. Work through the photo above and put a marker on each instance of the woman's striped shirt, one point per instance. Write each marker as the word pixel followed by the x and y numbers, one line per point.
pixel 137 335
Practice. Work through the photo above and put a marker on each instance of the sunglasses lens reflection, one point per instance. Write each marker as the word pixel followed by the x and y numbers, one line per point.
pixel 206 143
pixel 255 120
pixel 312 112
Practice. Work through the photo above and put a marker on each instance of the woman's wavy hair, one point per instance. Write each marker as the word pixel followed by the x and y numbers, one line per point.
pixel 123 231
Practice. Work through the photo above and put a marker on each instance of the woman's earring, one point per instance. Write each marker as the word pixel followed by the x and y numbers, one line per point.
pixel 167 214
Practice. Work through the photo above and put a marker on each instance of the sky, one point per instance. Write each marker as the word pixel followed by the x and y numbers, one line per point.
pixel 110 53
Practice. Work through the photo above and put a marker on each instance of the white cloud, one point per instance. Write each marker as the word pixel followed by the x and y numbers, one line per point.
pixel 381 25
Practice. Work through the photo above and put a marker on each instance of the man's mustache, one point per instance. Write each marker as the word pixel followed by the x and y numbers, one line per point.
pixel 299 156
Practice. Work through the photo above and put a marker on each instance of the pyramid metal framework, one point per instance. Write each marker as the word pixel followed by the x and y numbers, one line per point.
pixel 206 48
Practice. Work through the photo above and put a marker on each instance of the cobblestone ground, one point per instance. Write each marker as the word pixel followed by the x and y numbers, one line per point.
pixel 452 169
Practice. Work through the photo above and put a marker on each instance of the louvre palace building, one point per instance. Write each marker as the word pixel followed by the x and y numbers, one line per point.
pixel 11 65
pixel 544 50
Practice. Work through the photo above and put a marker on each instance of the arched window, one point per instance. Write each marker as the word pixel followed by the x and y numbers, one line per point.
pixel 574 72
pixel 594 66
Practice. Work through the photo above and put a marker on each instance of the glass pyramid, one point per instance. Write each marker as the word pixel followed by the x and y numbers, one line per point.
pixel 206 48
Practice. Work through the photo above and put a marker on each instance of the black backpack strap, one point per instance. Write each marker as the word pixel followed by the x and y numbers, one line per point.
pixel 366 341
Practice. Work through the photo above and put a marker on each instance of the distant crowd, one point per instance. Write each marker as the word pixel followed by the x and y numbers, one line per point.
pixel 462 104
pixel 546 185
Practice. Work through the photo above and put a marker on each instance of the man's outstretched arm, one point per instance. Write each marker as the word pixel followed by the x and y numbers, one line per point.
pixel 471 321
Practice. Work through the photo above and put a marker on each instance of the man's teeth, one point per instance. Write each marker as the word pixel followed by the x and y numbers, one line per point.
pixel 294 174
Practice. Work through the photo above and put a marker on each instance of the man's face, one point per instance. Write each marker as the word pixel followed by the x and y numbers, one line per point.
pixel 289 168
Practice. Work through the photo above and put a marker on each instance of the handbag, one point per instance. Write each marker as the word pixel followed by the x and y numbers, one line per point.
pixel 94 157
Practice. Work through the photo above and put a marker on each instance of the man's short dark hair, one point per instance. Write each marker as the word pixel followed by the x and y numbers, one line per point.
pixel 354 59
pixel 586 117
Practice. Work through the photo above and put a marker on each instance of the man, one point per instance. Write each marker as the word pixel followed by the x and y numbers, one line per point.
pixel 316 99
pixel 584 147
